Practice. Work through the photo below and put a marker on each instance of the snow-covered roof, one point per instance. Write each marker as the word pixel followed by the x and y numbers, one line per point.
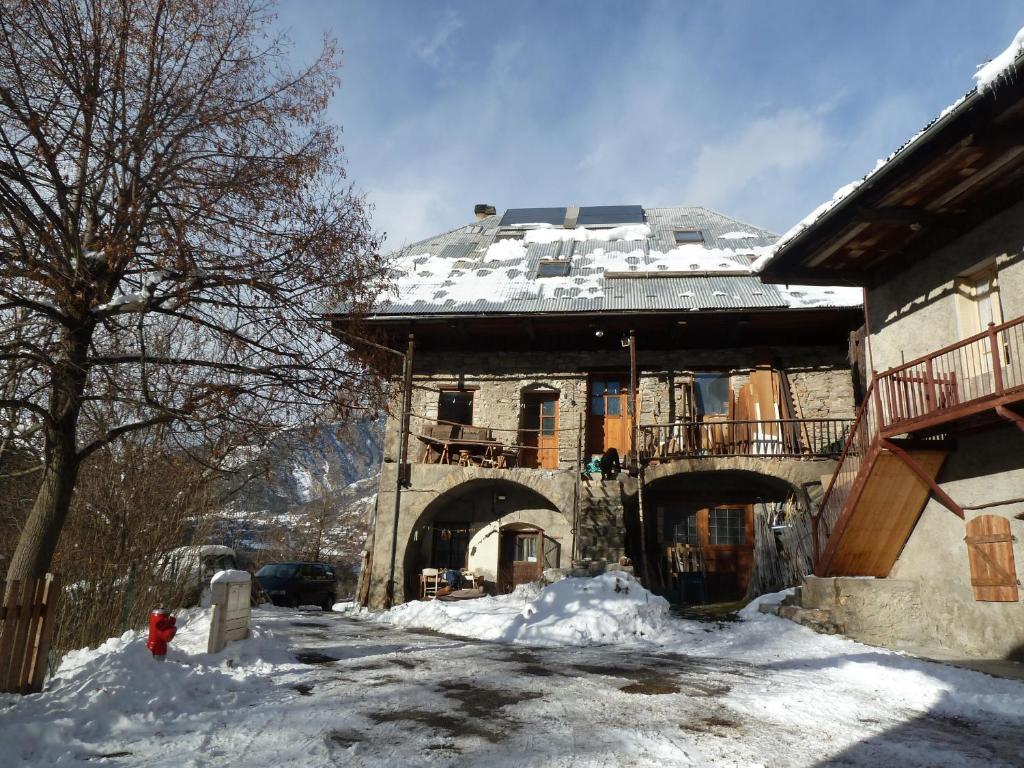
pixel 987 77
pixel 485 268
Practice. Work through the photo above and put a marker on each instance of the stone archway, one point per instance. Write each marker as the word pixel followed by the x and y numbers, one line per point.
pixel 705 516
pixel 461 528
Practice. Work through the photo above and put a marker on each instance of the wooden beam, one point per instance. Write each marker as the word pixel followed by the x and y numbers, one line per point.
pixel 1013 418
pixel 899 214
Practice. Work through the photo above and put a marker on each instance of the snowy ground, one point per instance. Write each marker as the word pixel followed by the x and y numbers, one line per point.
pixel 312 689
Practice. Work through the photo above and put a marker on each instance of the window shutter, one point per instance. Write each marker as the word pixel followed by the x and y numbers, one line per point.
pixel 990 551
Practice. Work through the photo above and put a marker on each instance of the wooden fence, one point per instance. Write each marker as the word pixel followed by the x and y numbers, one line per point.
pixel 26 626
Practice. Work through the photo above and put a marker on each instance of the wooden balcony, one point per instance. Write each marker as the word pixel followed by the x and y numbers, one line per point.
pixel 782 438
pixel 962 385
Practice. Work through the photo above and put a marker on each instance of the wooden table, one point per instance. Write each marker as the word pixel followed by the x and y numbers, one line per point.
pixel 479 452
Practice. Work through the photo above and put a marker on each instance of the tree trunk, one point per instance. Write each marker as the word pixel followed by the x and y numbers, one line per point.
pixel 39 537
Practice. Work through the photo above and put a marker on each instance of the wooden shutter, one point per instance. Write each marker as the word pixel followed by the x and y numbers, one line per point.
pixel 990 550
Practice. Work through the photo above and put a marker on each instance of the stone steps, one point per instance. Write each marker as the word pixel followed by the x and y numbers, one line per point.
pixel 602 524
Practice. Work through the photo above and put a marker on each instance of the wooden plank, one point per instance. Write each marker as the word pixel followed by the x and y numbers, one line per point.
pixel 21 630
pixel 48 620
pixel 12 594
pixel 990 553
pixel 34 623
pixel 884 515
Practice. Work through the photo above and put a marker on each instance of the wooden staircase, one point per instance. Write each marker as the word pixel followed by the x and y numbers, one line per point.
pixel 874 500
pixel 879 514
pixel 899 441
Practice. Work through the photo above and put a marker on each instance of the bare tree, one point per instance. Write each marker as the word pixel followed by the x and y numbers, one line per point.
pixel 172 221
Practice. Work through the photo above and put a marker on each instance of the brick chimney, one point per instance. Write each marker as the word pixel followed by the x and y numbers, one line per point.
pixel 483 210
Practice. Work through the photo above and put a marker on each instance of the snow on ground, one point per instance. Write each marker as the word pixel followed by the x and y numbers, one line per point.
pixel 589 677
pixel 610 608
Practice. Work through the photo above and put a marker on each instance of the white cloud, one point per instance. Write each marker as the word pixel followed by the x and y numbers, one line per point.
pixel 785 143
pixel 409 209
pixel 431 49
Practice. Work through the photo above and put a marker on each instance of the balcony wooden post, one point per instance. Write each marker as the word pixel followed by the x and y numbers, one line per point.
pixel 930 400
pixel 997 366
pixel 877 397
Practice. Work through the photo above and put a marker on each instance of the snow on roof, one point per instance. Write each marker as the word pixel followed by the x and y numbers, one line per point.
pixel 486 268
pixel 987 76
pixel 549 234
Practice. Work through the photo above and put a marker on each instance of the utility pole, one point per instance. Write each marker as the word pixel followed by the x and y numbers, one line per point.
pixel 403 456
pixel 634 394
pixel 403 445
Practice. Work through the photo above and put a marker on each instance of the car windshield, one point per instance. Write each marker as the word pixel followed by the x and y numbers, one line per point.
pixel 277 570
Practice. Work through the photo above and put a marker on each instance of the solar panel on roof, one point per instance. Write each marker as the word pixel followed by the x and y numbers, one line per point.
pixel 597 215
pixel 555 216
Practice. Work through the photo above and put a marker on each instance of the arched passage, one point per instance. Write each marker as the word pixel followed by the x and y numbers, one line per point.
pixel 701 531
pixel 463 528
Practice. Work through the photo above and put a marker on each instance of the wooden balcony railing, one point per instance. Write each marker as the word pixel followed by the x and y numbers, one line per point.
pixel 955 381
pixel 751 437
pixel 861 440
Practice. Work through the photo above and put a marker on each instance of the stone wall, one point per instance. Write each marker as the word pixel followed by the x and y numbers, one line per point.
pixel 819 378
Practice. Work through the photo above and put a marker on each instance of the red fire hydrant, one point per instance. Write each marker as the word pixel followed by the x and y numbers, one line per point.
pixel 161 629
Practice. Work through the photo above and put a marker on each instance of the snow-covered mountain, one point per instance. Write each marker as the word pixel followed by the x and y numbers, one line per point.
pixel 304 481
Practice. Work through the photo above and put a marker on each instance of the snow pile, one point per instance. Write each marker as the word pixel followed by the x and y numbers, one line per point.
pixel 117 691
pixel 582 234
pixel 989 74
pixel 605 609
pixel 738 236
pixel 231 576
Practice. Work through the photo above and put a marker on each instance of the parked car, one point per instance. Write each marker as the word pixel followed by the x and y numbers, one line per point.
pixel 192 567
pixel 294 584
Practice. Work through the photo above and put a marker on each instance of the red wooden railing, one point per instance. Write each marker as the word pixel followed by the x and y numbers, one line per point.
pixel 933 389
pixel 944 384
pixel 862 440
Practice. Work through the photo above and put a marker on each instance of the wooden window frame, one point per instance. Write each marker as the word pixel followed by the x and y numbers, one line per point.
pixel 742 509
pixel 471 391
pixel 965 292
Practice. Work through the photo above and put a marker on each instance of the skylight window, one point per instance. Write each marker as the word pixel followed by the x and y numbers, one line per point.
pixel 553 269
pixel 689 236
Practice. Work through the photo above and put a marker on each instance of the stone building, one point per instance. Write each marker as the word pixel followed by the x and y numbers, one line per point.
pixel 543 337
pixel 929 498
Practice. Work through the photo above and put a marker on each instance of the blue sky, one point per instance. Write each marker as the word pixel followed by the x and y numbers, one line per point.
pixel 756 109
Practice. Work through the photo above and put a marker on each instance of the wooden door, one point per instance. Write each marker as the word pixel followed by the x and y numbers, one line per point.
pixel 540 430
pixel 726 535
pixel 610 424
pixel 520 558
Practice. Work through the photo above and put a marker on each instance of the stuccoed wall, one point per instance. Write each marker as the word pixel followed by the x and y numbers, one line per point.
pixel 483 546
pixel 986 467
pixel 927 604
pixel 915 313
